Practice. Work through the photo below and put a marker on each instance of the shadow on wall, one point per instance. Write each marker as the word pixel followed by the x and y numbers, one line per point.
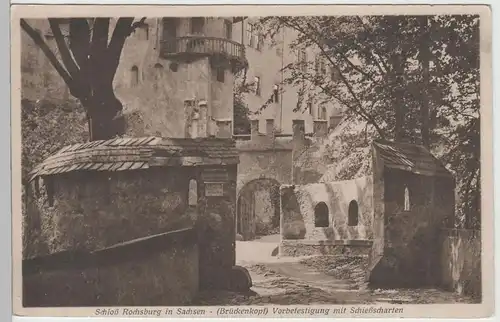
pixel 293 221
pixel 412 267
pixel 159 270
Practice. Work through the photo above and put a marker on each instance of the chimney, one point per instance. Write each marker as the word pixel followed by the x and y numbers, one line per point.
pixel 270 128
pixel 254 128
pixel 320 128
pixel 335 120
pixel 224 129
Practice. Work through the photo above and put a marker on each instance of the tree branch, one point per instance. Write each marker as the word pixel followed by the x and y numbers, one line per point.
pixel 378 63
pixel 356 68
pixel 66 57
pixel 337 51
pixel 37 38
pixel 124 28
pixel 361 111
pixel 99 39
pixel 79 42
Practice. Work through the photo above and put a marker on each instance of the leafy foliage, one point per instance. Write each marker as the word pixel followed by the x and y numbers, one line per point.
pixel 47 127
pixel 241 111
pixel 410 78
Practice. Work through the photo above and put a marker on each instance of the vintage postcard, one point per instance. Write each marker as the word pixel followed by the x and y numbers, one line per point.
pixel 252 161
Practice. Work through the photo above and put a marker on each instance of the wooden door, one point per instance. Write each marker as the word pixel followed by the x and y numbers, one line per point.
pixel 246 209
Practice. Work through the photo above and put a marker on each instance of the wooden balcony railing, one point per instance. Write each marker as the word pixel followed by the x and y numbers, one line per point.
pixel 202 46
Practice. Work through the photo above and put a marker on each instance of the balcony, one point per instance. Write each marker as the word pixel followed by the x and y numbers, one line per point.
pixel 190 47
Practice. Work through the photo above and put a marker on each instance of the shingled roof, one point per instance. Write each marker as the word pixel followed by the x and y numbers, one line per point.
pixel 138 153
pixel 410 157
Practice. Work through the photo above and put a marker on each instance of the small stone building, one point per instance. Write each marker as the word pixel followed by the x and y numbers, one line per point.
pixel 97 196
pixel 391 216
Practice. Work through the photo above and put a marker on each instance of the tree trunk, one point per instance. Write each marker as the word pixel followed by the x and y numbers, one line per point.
pixel 425 62
pixel 105 117
pixel 104 110
pixel 398 93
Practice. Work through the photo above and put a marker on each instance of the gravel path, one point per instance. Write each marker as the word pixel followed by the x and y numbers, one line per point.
pixel 310 280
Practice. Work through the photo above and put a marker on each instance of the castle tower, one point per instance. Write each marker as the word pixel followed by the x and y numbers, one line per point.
pixel 175 77
pixel 186 71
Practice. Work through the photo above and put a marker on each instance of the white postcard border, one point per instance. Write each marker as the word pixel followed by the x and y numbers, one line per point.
pixel 447 310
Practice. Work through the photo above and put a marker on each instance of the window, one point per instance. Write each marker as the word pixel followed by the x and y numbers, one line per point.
pixel 158 71
pixel 228 29
pixel 197 24
pixel 310 108
pixel 321 215
pixel 169 28
pixel 353 215
pixel 254 38
pixel 407 200
pixel 320 66
pixel 250 37
pixel 260 41
pixel 193 193
pixel 302 59
pixel 220 74
pixel 276 94
pixel 322 113
pixel 257 85
pixel 334 74
pixel 134 71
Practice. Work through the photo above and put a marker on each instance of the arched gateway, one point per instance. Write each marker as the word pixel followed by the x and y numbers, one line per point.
pixel 258 208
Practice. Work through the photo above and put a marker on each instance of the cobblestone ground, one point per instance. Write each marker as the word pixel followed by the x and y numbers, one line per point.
pixel 291 281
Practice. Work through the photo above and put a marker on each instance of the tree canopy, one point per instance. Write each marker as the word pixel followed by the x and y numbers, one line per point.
pixel 408 78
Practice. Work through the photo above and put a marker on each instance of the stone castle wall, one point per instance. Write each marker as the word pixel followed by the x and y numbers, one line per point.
pixel 461 262
pixel 411 236
pixel 300 206
pixel 94 210
pixel 281 159
pixel 72 279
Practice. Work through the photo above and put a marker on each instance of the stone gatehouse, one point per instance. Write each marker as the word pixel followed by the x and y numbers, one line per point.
pixel 269 160
pixel 166 205
pixel 392 216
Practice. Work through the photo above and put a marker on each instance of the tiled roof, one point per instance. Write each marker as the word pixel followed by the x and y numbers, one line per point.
pixel 138 153
pixel 409 157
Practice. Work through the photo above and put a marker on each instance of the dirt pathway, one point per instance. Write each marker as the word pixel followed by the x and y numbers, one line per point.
pixel 285 281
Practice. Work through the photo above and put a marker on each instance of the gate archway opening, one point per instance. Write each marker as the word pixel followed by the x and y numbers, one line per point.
pixel 258 212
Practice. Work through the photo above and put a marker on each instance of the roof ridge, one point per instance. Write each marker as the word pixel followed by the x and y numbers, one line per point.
pixel 112 154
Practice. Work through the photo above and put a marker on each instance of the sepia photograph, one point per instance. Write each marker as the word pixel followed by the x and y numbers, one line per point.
pixel 269 165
